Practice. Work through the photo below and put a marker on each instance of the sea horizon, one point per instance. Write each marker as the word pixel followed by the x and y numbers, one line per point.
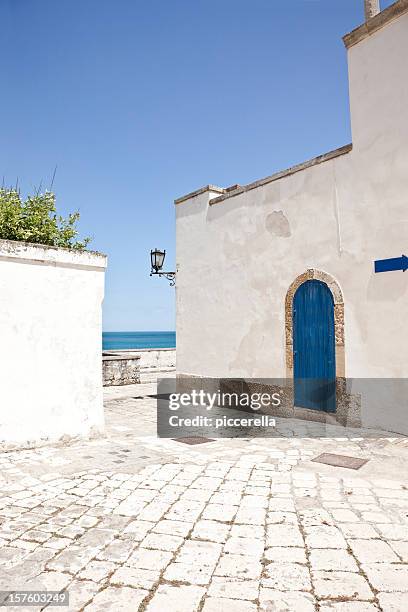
pixel 115 340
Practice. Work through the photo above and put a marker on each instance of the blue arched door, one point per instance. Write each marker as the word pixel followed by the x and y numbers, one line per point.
pixel 314 361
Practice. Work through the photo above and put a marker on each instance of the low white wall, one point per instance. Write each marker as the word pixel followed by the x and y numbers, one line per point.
pixel 156 362
pixel 51 342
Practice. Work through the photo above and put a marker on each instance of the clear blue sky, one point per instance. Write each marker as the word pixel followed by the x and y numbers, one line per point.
pixel 139 102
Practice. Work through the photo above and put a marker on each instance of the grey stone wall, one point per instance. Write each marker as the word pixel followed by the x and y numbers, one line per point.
pixel 120 370
pixel 130 366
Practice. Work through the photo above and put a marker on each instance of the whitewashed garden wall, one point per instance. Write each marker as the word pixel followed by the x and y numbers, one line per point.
pixel 51 343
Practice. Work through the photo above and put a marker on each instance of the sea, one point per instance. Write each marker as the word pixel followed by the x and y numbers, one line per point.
pixel 138 340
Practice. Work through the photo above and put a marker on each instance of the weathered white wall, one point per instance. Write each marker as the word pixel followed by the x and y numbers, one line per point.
pixel 236 258
pixel 51 343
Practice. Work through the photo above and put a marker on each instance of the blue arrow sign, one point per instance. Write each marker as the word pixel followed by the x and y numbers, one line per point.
pixel 394 263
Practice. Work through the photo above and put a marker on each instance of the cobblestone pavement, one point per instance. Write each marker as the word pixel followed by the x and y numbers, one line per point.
pixel 130 522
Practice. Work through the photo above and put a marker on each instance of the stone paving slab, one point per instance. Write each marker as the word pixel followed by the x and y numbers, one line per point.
pixel 129 522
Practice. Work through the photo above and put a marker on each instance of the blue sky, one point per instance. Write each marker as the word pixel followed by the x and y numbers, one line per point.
pixel 140 102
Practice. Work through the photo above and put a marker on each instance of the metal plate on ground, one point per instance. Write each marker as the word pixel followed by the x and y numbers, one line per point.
pixel 193 440
pixel 352 463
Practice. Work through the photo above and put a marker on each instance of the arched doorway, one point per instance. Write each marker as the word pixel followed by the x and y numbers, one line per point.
pixel 328 294
pixel 314 359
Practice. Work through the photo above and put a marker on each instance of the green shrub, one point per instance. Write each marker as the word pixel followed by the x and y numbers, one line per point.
pixel 36 220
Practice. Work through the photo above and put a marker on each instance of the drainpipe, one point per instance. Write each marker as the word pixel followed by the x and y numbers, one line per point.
pixel 372 8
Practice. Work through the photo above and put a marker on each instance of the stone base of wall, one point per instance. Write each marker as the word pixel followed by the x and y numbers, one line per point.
pixel 348 406
pixel 64 440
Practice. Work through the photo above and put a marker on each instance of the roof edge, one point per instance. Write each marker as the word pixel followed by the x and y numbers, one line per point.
pixel 282 173
pixel 193 194
pixel 376 23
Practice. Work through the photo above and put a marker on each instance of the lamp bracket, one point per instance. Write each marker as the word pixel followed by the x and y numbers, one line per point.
pixel 171 276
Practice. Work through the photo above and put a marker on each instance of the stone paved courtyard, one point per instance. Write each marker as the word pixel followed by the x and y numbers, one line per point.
pixel 130 522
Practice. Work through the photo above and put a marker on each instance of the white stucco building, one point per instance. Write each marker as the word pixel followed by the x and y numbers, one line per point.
pixel 325 221
pixel 51 339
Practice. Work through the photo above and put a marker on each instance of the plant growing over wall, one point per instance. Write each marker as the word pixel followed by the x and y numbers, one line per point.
pixel 35 220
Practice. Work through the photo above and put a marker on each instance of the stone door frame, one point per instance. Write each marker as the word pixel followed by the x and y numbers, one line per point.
pixel 338 301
